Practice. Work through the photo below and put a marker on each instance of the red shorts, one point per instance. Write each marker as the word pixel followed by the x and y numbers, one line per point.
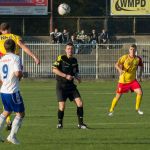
pixel 1 54
pixel 126 87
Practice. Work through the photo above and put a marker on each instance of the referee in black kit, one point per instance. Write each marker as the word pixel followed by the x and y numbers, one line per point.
pixel 66 70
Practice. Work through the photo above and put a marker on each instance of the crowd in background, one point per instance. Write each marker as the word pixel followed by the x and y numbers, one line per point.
pixel 80 37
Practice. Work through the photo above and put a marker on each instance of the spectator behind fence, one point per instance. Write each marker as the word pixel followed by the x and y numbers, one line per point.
pixel 93 37
pixel 65 36
pixel 103 38
pixel 82 37
pixel 56 36
pixel 75 43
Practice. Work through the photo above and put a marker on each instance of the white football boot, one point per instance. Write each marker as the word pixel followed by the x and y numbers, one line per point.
pixel 140 112
pixel 13 140
pixel 110 113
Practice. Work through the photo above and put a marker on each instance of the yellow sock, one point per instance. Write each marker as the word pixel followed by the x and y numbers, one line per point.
pixel 113 104
pixel 138 101
pixel 8 120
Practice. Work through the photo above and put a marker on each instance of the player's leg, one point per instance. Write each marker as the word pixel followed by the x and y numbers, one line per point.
pixel 17 105
pixel 74 95
pixel 3 117
pixel 15 127
pixel 7 109
pixel 138 100
pixel 135 86
pixel 121 88
pixel 114 103
pixel 80 113
pixel 61 98
pixel 8 122
pixel 61 108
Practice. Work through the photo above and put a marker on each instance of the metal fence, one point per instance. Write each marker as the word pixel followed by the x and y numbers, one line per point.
pixel 95 61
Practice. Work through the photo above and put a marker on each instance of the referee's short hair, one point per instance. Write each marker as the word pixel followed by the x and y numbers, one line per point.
pixel 10 45
pixel 69 44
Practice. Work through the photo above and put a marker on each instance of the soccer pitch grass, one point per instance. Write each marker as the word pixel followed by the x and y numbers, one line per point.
pixel 126 130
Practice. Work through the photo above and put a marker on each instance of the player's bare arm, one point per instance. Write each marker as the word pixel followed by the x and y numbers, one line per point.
pixel 119 68
pixel 59 73
pixel 28 51
pixel 19 74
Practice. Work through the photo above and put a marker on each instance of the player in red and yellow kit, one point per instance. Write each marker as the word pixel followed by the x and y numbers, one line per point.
pixel 127 66
pixel 5 31
pixel 6 34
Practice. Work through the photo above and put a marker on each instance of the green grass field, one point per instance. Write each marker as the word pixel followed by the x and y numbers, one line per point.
pixel 124 131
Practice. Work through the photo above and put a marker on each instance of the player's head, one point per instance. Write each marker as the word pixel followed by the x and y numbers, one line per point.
pixel 69 49
pixel 10 45
pixel 132 50
pixel 4 27
pixel 133 46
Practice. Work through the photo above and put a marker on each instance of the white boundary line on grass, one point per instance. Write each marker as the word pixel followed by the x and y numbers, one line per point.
pixel 97 93
pixel 119 123
pixel 96 124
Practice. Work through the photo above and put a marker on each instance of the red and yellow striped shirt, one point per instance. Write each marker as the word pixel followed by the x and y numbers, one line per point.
pixel 129 66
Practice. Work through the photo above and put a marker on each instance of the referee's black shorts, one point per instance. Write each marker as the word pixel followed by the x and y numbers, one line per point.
pixel 64 91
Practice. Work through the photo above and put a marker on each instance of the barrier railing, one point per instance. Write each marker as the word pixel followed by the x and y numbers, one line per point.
pixel 95 61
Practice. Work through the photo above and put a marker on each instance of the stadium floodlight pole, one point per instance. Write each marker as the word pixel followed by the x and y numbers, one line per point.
pixel 106 7
pixel 23 26
pixel 51 15
pixel 106 15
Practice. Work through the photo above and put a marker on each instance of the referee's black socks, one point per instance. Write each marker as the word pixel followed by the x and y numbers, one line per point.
pixel 60 116
pixel 80 115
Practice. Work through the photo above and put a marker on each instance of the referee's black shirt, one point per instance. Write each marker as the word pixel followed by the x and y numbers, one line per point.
pixel 66 65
